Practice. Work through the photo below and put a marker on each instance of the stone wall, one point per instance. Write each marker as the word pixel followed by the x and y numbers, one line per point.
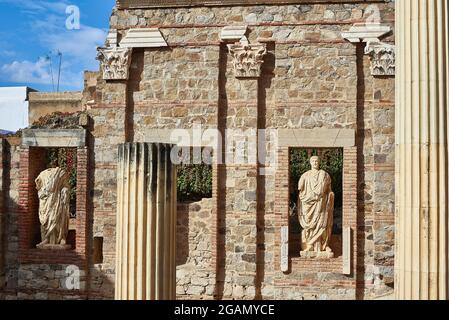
pixel 107 132
pixel 50 282
pixel 30 273
pixel 43 103
pixel 11 181
pixel 311 78
pixel 228 246
pixel 194 272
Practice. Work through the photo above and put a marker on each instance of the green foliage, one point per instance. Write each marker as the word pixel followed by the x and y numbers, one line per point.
pixel 194 182
pixel 65 158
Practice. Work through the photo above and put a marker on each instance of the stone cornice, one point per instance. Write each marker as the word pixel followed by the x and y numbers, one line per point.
pixel 55 96
pixel 135 4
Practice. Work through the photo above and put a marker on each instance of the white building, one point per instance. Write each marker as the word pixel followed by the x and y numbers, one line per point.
pixel 14 108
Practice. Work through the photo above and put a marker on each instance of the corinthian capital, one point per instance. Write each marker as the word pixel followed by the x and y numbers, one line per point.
pixel 382 54
pixel 115 62
pixel 247 58
pixel 383 59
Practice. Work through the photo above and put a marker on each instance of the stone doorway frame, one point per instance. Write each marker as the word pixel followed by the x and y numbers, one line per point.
pixel 320 139
pixel 33 142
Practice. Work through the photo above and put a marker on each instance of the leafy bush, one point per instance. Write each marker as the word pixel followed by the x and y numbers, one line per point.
pixel 194 182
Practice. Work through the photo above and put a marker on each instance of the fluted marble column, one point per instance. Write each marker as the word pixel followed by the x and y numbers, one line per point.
pixel 146 223
pixel 422 149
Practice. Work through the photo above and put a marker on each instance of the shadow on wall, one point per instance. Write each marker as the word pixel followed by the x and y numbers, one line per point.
pixel 182 234
pixel 221 177
pixel 76 278
pixel 49 281
pixel 361 183
pixel 265 83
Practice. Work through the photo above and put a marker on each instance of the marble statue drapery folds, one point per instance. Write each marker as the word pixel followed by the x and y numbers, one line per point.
pixel 316 207
pixel 54 206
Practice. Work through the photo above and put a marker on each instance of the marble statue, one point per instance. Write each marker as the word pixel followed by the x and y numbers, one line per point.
pixel 315 211
pixel 54 208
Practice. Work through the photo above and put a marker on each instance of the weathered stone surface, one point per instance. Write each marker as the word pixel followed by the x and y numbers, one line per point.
pixel 54 138
pixel 143 38
pixel 310 79
pixel 115 63
pixel 247 58
pixel 43 104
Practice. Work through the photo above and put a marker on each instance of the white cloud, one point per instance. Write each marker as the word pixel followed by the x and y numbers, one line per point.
pixel 47 22
pixel 26 71
pixel 38 72
pixel 38 6
pixel 77 45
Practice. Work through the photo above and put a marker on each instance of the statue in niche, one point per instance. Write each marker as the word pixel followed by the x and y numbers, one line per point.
pixel 315 211
pixel 54 208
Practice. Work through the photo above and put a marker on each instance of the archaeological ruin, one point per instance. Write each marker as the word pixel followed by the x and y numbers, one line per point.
pixel 228 149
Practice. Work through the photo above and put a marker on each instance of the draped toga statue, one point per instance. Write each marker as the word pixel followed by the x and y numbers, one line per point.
pixel 54 208
pixel 316 209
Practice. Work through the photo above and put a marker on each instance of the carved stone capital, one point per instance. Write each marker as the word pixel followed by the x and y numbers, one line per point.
pixel 115 62
pixel 383 59
pixel 247 58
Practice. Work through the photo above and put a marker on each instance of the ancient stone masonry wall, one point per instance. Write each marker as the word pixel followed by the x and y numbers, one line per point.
pixel 49 282
pixel 123 4
pixel 44 104
pixel 30 273
pixel 176 88
pixel 107 131
pixel 229 246
pixel 311 78
pixel 10 188
pixel 195 277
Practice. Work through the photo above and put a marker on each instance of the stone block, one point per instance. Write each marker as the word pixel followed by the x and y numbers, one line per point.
pixel 52 138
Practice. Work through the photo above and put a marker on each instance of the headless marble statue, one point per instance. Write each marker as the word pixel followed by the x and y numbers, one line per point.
pixel 316 209
pixel 54 208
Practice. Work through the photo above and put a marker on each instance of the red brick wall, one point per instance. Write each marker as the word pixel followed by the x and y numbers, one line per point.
pixel 32 163
pixel 303 272
pixel 81 203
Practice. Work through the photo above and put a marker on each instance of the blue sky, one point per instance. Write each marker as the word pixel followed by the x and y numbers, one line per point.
pixel 31 30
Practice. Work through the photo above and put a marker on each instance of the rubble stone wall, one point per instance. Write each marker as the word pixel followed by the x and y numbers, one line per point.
pixel 311 78
pixel 227 245
pixel 10 215
pixel 194 272
pixel 43 104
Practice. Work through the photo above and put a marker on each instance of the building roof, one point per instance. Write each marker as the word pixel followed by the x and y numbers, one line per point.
pixel 14 107
pixel 14 93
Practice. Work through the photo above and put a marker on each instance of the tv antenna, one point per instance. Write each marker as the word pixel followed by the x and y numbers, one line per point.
pixel 48 57
pixel 59 69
